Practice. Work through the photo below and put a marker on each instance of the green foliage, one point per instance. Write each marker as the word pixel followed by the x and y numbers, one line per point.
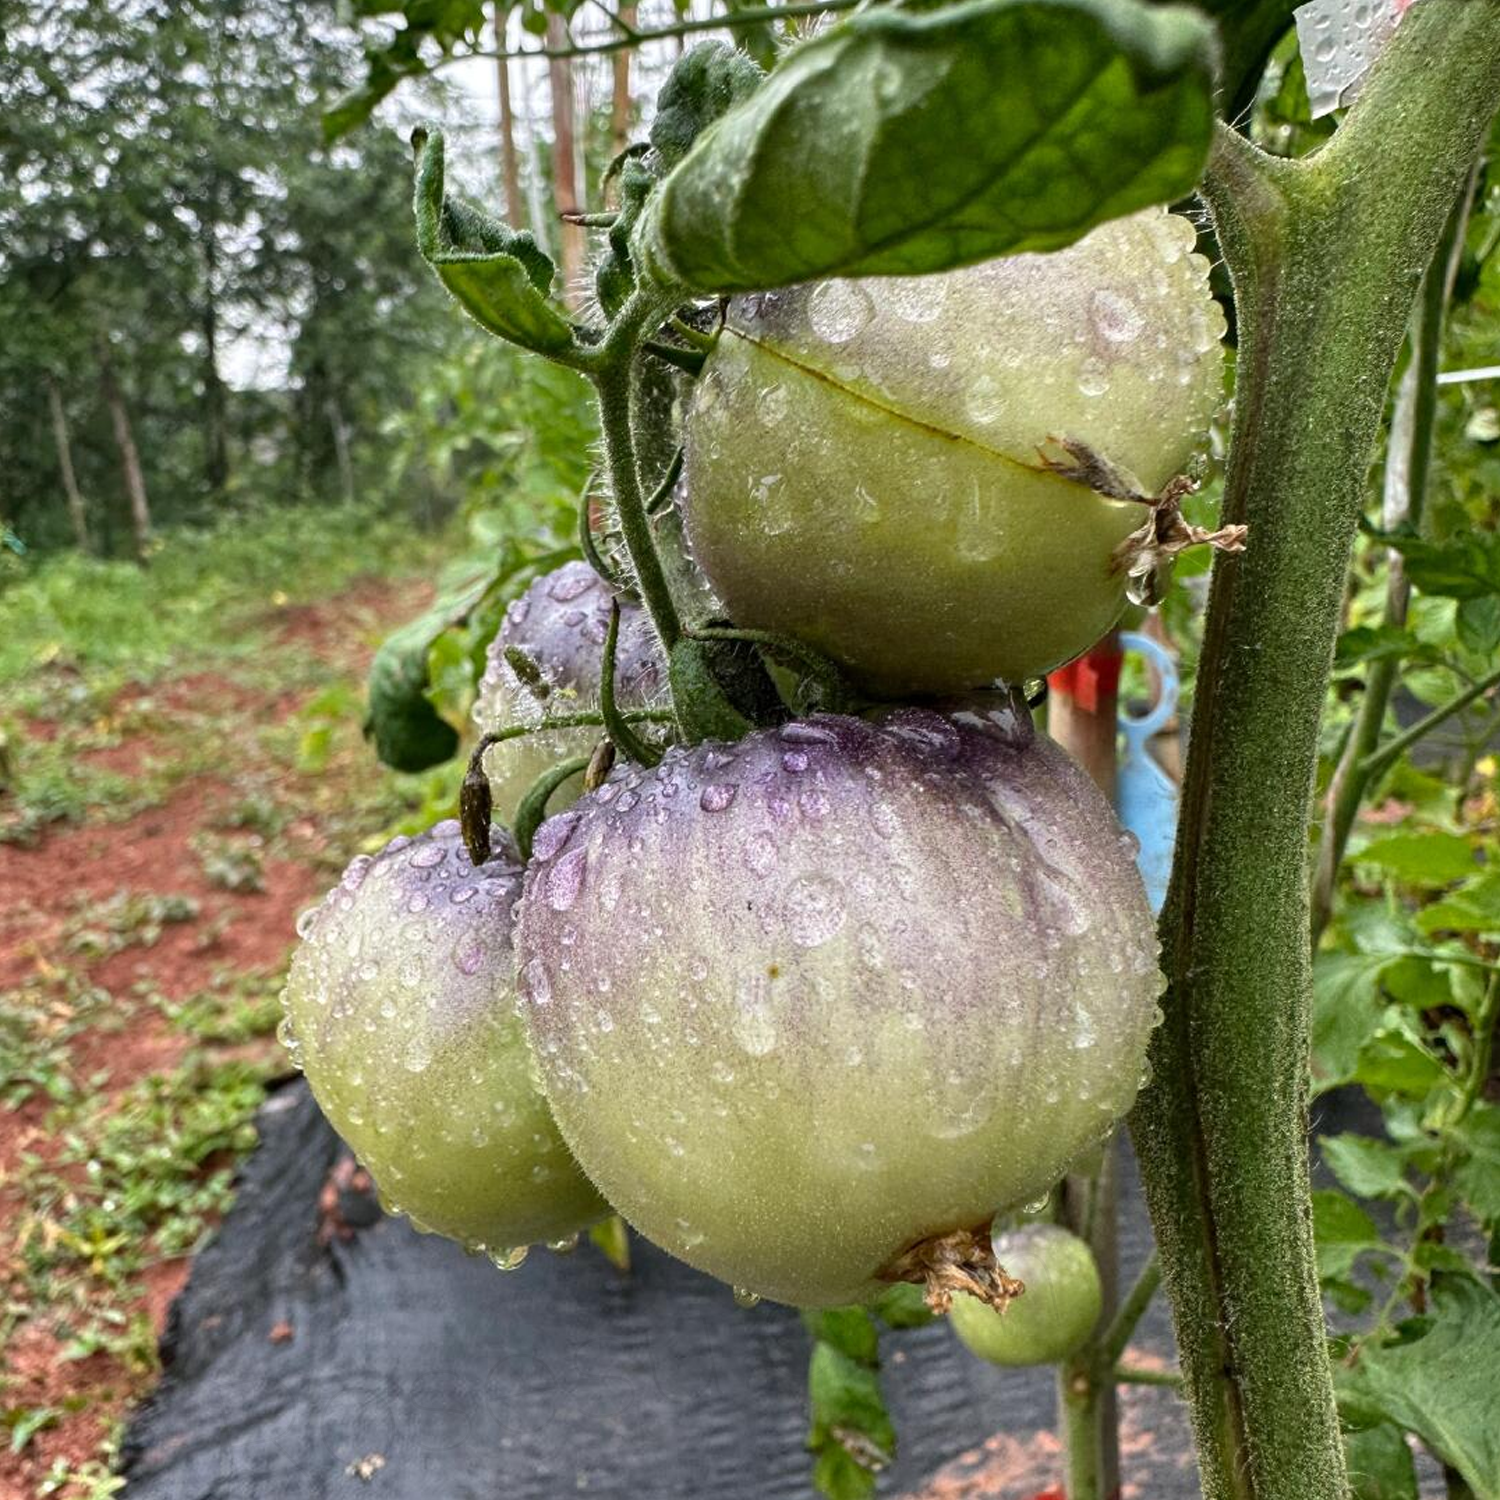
pixel 903 142
pixel 707 82
pixel 496 274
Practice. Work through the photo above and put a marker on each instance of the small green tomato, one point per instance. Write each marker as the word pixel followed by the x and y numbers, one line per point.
pixel 1052 1318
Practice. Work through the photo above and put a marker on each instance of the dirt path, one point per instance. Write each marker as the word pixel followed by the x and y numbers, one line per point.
pixel 136 955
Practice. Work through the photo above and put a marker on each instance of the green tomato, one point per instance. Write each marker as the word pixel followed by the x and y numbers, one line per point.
pixel 1053 1318
pixel 400 1008
pixel 559 623
pixel 863 466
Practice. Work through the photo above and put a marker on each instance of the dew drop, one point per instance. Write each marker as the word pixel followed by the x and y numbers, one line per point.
pixel 507 1260
pixel 565 879
pixel 565 1246
pixel 717 796
pixel 1116 318
pixel 744 1297
pixel 838 310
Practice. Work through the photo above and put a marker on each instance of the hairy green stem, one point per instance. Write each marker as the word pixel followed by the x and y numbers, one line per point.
pixel 1325 255
pixel 611 370
pixel 1388 754
pixel 1088 1412
pixel 1408 465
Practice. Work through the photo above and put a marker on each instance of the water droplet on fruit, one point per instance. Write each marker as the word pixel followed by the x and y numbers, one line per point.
pixel 553 834
pixel 565 1246
pixel 814 910
pixel 985 399
pixel 1115 317
pixel 717 796
pixel 508 1260
pixel 536 986
pixel 744 1297
pixel 838 311
pixel 425 856
pixel 917 299
pixel 469 954
pixel 565 879
pixel 794 761
pixel 306 922
pixel 1093 378
pixel 571 583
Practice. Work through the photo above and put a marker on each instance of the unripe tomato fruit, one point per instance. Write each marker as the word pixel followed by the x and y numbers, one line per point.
pixel 862 456
pixel 400 1009
pixel 804 1001
pixel 1055 1315
pixel 560 624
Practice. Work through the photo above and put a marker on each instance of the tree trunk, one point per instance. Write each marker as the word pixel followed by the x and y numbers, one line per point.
pixel 341 448
pixel 76 511
pixel 215 425
pixel 510 168
pixel 564 164
pixel 130 458
pixel 620 101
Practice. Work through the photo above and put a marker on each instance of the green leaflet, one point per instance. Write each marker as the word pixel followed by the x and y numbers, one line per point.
pixel 1437 1381
pixel 909 142
pixel 706 83
pixel 409 733
pixel 499 276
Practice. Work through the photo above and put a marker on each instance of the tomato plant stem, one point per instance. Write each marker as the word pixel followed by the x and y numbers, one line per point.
pixel 1325 255
pixel 1407 467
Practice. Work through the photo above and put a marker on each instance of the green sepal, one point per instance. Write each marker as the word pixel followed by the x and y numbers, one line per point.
pixel 904 142
pixel 703 709
pixel 532 812
pixel 498 275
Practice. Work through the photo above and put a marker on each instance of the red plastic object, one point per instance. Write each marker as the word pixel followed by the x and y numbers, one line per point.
pixel 1090 678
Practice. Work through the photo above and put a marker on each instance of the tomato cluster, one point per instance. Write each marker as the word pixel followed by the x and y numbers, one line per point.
pixel 808 1006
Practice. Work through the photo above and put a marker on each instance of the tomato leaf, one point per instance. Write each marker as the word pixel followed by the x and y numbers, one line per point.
pixel 908 141
pixel 1477 1177
pixel 1346 1010
pixel 499 276
pixel 1438 1380
pixel 1473 907
pixel 1478 624
pixel 1428 858
pixel 704 84
pixel 1368 1168
pixel 1343 1231
pixel 1380 1463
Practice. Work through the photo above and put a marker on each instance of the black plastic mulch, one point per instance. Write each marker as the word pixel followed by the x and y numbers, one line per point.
pixel 392 1365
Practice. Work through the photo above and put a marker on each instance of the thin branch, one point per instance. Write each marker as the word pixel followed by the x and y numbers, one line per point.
pixel 1376 765
pixel 660 33
pixel 1137 1375
pixel 1112 1344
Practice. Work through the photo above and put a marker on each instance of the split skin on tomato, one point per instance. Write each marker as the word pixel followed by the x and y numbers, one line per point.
pixel 400 1009
pixel 1053 1318
pixel 864 465
pixel 803 1002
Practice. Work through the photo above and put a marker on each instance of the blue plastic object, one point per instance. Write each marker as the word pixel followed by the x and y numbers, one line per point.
pixel 1145 796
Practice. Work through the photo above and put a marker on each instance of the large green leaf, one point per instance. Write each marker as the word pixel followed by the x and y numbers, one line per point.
pixel 903 142
pixel 499 276
pixel 1441 1382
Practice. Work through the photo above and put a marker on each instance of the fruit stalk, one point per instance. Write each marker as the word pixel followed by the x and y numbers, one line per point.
pixel 1325 255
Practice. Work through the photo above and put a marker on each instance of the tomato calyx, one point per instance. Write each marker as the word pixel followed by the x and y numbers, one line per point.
pixel 963 1260
pixel 1146 555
